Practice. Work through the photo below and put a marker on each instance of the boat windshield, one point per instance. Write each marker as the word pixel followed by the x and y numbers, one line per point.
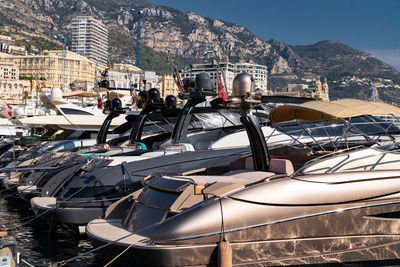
pixel 334 135
pixel 208 118
pixel 158 124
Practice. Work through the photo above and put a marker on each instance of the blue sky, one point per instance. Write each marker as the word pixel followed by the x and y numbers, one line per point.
pixel 368 25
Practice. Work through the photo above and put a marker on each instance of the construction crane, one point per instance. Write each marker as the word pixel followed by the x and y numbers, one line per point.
pixel 64 53
pixel 138 34
pixel 51 33
pixel 139 14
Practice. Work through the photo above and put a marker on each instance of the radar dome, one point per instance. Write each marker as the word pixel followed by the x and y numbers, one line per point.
pixel 243 85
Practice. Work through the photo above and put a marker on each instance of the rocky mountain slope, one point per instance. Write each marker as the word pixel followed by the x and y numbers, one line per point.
pixel 186 35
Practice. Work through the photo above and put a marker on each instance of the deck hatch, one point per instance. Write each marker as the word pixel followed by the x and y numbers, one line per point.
pixel 171 185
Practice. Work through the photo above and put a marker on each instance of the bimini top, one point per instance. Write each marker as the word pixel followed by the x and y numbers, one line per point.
pixel 331 111
pixel 111 94
pixel 80 94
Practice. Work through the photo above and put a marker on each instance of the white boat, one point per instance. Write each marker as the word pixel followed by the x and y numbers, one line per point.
pixel 69 116
pixel 8 128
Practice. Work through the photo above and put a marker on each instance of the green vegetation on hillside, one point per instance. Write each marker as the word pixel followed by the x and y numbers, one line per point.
pixel 333 59
pixel 125 47
pixel 4 21
pixel 277 84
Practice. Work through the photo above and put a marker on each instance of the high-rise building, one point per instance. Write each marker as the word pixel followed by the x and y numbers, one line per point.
pixel 90 38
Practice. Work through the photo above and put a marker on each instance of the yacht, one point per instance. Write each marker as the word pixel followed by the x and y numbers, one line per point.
pixel 144 135
pixel 190 147
pixel 68 116
pixel 258 210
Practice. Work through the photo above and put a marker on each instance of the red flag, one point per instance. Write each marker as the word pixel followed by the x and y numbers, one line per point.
pixel 99 101
pixel 9 110
pixel 221 90
pixel 181 86
pixel 221 93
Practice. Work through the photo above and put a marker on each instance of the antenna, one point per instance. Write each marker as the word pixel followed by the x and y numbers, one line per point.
pixel 51 33
pixel 139 13
pixel 63 39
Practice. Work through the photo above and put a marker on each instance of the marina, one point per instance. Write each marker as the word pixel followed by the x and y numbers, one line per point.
pixel 164 188
pixel 134 133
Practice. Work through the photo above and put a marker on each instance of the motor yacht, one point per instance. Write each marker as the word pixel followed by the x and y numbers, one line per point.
pixel 82 198
pixel 259 211
pixel 151 126
pixel 69 116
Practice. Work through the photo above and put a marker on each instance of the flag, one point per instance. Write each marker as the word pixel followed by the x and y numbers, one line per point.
pixel 137 98
pixel 99 101
pixel 9 110
pixel 221 90
pixel 178 81
pixel 221 93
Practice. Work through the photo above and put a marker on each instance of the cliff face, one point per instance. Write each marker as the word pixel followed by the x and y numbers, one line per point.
pixel 186 36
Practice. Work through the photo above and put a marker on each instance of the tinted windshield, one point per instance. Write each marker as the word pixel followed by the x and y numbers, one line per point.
pixel 208 118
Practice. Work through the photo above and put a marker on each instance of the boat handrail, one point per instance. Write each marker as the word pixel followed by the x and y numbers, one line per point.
pixel 350 130
pixel 342 163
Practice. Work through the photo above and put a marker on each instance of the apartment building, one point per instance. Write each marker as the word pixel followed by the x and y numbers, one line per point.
pixel 229 71
pixel 90 38
pixel 168 86
pixel 11 87
pixel 7 46
pixel 49 68
pixel 8 71
pixel 125 80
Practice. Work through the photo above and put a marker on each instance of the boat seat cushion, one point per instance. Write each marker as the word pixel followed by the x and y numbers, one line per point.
pixel 237 176
pixel 278 166
pixel 281 166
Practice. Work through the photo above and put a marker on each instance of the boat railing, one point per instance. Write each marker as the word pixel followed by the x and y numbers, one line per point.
pixel 347 160
pixel 321 133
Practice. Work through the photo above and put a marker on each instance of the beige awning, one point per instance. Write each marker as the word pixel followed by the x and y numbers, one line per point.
pixel 80 94
pixel 111 94
pixel 333 111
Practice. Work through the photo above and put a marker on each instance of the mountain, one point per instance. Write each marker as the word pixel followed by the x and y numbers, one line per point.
pixel 351 73
pixel 184 36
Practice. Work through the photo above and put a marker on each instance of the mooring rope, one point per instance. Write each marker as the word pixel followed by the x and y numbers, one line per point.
pixel 64 262
pixel 120 254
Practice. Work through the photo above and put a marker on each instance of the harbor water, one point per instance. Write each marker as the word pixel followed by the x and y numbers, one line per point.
pixel 34 247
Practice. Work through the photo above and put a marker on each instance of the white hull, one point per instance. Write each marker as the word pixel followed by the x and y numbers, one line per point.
pixel 72 122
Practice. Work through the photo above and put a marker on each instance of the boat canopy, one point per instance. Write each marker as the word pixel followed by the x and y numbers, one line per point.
pixel 109 94
pixel 80 94
pixel 331 111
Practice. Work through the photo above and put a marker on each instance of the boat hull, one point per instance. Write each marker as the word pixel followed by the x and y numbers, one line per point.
pixel 367 232
pixel 266 253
